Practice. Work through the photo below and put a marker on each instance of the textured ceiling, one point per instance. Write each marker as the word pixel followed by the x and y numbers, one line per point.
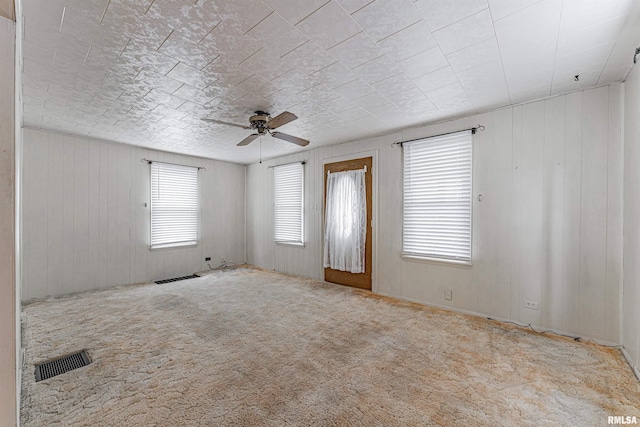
pixel 145 72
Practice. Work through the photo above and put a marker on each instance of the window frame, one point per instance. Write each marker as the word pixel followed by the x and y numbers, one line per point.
pixel 188 243
pixel 301 242
pixel 433 257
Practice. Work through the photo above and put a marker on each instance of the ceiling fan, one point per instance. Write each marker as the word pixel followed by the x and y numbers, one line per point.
pixel 263 124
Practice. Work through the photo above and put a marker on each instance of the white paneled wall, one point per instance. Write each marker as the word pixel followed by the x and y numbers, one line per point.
pixel 548 228
pixel 631 304
pixel 86 226
pixel 9 339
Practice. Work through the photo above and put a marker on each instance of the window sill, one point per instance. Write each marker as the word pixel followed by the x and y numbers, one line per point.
pixel 173 246
pixel 296 245
pixel 440 261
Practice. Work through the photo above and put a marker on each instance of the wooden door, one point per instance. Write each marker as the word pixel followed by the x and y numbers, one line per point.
pixel 361 280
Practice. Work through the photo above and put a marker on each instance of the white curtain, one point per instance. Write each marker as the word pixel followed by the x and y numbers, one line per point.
pixel 345 228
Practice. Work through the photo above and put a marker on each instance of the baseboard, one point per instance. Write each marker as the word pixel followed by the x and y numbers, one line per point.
pixel 503 320
pixel 634 368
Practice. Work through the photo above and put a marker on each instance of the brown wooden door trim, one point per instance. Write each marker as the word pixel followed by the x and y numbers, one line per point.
pixel 363 280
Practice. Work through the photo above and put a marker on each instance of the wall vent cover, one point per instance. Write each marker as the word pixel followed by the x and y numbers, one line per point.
pixel 175 279
pixel 60 365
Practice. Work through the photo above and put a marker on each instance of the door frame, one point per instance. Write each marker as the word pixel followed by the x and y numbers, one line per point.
pixel 374 207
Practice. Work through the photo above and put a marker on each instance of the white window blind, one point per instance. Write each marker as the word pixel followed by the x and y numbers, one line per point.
pixel 437 197
pixel 174 205
pixel 288 202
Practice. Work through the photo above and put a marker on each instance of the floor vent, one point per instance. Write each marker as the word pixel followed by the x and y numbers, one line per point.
pixel 176 279
pixel 61 365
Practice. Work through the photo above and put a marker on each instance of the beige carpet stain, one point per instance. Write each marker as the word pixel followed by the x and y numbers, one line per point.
pixel 254 347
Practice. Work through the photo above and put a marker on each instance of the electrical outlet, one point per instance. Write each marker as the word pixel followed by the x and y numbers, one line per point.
pixel 208 258
pixel 448 294
pixel 532 305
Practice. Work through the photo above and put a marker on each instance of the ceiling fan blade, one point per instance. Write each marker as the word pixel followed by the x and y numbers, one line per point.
pixel 281 119
pixel 220 122
pixel 294 139
pixel 248 140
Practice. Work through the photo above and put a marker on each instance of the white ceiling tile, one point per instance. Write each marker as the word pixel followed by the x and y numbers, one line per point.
pixel 199 20
pixel 329 25
pixel 378 69
pixel 451 99
pixel 37 53
pixel 231 43
pixel 441 13
pixel 242 15
pixel 442 77
pixel 424 63
pixel 92 9
pixel 395 84
pixel 355 51
pixel 266 64
pixel 503 8
pixel 352 6
pixel 129 19
pixel 46 14
pixel 356 89
pixel 577 61
pixel 295 11
pixel 410 41
pixel 485 85
pixel 277 35
pixel 578 14
pixel 184 16
pixel 138 54
pixel 335 75
pixel 475 56
pixel 531 30
pixel 308 58
pixel 373 100
pixel 382 18
pixel 467 32
pixel 584 38
pixel 339 104
pixel 187 51
pixel 408 98
pixel 158 81
pixel 295 81
pixel 258 86
pixel 189 75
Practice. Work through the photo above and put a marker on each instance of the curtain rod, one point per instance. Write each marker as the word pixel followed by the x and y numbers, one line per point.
pixel 473 131
pixel 175 164
pixel 364 169
pixel 304 162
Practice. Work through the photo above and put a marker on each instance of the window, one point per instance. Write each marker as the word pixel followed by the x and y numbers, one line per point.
pixel 437 197
pixel 288 201
pixel 174 205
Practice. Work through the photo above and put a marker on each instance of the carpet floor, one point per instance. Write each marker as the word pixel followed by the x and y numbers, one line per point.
pixel 254 347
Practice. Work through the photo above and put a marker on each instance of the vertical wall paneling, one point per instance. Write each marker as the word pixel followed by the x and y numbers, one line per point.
pixel 615 179
pixel 571 223
pixel 593 234
pixel 531 202
pixel 67 246
pixel 81 216
pixel 55 206
pixel 553 213
pixel 516 217
pixel 631 300
pixel 547 229
pixel 86 226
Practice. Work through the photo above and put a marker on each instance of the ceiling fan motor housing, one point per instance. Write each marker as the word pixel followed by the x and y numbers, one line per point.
pixel 259 121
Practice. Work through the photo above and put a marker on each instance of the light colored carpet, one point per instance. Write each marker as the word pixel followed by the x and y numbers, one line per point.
pixel 253 347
